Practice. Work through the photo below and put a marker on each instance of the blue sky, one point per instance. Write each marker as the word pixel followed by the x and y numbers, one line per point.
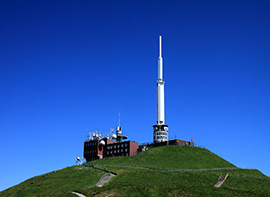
pixel 66 67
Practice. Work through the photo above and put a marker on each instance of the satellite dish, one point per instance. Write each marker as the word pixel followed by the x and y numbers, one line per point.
pixel 102 142
pixel 79 161
pixel 166 129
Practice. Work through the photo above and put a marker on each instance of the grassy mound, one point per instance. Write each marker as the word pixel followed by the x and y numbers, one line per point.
pixel 57 183
pixel 148 174
pixel 169 157
pixel 160 183
pixel 151 173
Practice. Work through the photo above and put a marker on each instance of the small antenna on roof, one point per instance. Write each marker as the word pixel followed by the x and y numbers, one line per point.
pixel 119 119
pixel 89 136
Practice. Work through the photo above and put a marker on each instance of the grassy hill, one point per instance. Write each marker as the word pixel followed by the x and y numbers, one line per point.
pixel 56 183
pixel 170 157
pixel 152 173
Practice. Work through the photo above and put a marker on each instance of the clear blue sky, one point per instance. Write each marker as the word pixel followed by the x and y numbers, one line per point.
pixel 66 67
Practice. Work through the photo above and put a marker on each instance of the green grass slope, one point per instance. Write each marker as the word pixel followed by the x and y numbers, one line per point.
pixel 161 183
pixel 57 183
pixel 152 173
pixel 170 157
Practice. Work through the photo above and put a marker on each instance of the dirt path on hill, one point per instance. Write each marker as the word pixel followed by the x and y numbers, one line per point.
pixel 221 180
pixel 104 170
pixel 104 179
pixel 78 194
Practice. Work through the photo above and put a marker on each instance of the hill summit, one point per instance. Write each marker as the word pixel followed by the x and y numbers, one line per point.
pixel 170 157
pixel 161 171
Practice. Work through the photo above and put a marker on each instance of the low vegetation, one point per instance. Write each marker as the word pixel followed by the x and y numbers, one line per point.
pixel 152 173
pixel 169 157
pixel 57 183
pixel 160 183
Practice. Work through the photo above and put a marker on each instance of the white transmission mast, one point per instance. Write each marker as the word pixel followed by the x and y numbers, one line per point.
pixel 160 129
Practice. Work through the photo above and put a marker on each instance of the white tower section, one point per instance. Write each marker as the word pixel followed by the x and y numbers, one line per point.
pixel 160 130
pixel 160 88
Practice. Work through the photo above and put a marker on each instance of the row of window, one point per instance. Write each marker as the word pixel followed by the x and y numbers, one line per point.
pixel 161 137
pixel 161 133
pixel 91 144
pixel 90 151
pixel 117 146
pixel 117 151
pixel 121 154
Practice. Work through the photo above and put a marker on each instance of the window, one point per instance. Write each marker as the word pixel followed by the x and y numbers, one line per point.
pixel 122 145
pixel 114 151
pixel 111 151
pixel 126 149
pixel 114 146
pixel 125 144
pixel 118 150
pixel 118 146
pixel 108 152
pixel 121 150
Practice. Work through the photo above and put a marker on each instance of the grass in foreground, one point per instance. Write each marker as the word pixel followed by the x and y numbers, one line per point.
pixel 146 175
pixel 169 157
pixel 58 183
pixel 159 183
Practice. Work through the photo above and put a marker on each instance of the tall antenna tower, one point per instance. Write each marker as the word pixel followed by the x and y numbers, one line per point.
pixel 160 129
